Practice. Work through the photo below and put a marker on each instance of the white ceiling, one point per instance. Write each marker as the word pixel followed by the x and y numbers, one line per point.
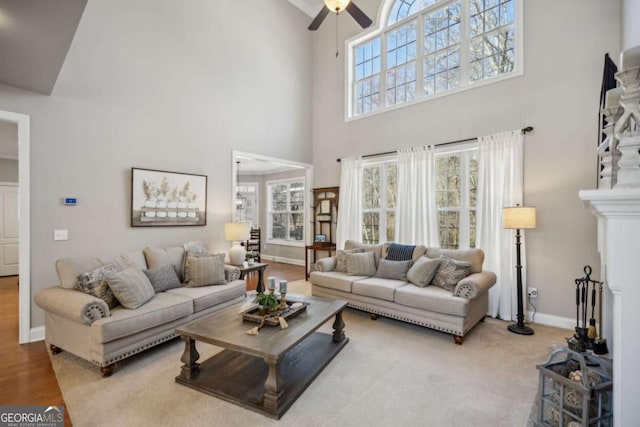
pixel 8 140
pixel 310 7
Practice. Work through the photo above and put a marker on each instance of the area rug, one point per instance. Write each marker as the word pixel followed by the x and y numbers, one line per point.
pixel 389 374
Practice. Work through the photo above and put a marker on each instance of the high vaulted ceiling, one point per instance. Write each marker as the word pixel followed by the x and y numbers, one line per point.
pixel 310 7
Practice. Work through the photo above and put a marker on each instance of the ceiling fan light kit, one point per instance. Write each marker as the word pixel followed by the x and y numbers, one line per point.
pixel 337 6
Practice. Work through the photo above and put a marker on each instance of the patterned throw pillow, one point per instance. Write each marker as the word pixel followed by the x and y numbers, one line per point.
pixel 423 270
pixel 204 270
pixel 94 283
pixel 398 252
pixel 163 278
pixel 341 258
pixel 450 272
pixel 361 264
pixel 131 286
pixel 397 270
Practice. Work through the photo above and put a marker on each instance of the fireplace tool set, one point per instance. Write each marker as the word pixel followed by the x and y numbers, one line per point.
pixel 587 337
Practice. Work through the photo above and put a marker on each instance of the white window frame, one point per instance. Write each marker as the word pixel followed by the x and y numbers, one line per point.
pixel 240 215
pixel 383 210
pixel 270 212
pixel 464 226
pixel 464 85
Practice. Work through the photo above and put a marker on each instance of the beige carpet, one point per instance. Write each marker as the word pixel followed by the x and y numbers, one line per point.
pixel 389 374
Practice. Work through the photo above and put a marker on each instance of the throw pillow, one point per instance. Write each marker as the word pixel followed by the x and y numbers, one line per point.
pixel 398 252
pixel 204 270
pixel 450 272
pixel 131 286
pixel 163 278
pixel 397 270
pixel 341 258
pixel 94 283
pixel 361 264
pixel 423 270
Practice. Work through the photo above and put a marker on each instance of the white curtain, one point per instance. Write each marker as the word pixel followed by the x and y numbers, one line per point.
pixel 500 182
pixel 416 213
pixel 350 206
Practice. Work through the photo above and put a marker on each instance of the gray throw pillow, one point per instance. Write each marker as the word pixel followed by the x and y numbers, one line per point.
pixel 94 283
pixel 131 286
pixel 423 270
pixel 163 278
pixel 363 264
pixel 204 270
pixel 450 272
pixel 341 258
pixel 389 269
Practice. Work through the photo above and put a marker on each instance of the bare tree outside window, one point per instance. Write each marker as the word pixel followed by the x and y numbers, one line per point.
pixel 286 210
pixel 379 202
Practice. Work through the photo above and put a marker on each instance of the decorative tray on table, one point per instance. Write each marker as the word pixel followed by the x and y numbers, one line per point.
pixel 271 319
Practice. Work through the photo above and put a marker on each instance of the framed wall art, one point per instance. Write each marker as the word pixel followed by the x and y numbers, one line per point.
pixel 165 199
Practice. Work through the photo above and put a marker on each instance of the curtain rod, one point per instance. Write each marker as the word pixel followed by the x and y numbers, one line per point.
pixel 458 141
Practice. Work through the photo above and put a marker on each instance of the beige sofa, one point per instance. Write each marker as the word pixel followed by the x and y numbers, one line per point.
pixel 85 326
pixel 431 306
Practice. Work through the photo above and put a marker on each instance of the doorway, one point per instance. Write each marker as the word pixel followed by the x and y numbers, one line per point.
pixel 20 122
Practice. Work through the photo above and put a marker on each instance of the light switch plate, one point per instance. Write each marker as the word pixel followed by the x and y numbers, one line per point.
pixel 60 234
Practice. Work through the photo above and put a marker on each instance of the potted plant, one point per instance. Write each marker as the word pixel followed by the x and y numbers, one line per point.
pixel 266 302
pixel 252 257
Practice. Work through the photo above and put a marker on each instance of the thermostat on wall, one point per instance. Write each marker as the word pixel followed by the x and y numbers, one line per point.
pixel 70 201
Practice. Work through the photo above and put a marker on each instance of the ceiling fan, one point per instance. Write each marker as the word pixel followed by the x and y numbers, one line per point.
pixel 338 6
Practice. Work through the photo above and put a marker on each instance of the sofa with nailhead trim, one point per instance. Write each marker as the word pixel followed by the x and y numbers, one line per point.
pixel 85 326
pixel 430 306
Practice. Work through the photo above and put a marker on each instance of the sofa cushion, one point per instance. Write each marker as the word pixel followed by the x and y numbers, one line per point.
pixel 204 270
pixel 208 296
pixel 341 258
pixel 473 256
pixel 431 298
pixel 376 249
pixel 334 280
pixel 95 283
pixel 131 286
pixel 377 288
pixel 157 257
pixel 361 264
pixel 423 270
pixel 70 268
pixel 162 308
pixel 450 272
pixel 418 250
pixel 163 278
pixel 388 269
pixel 134 259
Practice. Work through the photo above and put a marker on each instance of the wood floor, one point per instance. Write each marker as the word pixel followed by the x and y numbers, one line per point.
pixel 26 375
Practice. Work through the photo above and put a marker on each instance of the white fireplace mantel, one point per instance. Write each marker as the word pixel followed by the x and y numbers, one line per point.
pixel 618 212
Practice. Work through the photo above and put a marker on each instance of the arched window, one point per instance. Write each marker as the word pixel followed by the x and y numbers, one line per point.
pixel 428 48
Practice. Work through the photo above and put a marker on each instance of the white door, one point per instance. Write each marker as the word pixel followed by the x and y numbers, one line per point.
pixel 8 230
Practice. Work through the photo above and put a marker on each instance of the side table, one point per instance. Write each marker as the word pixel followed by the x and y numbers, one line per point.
pixel 259 267
pixel 326 247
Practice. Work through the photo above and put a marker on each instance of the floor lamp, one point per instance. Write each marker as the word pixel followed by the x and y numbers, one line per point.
pixel 519 217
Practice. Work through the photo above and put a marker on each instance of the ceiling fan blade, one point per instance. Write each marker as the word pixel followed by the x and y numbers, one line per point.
pixel 315 24
pixel 360 17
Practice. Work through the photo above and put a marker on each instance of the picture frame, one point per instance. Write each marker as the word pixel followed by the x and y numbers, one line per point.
pixel 320 238
pixel 167 199
pixel 325 207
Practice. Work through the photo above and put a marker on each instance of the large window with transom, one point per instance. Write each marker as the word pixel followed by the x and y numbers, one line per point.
pixel 285 212
pixel 429 48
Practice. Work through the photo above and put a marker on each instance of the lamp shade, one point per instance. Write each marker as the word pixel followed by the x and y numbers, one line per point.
pixel 336 5
pixel 237 231
pixel 519 217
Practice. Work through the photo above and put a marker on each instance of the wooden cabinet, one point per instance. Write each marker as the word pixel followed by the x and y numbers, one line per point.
pixel 324 219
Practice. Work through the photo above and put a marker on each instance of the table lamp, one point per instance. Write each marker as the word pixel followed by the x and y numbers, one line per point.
pixel 519 217
pixel 237 232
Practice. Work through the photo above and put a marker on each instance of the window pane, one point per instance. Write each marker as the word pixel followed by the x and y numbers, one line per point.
pixel 279 197
pixel 296 226
pixel 448 225
pixel 297 196
pixel 391 226
pixel 473 181
pixel 370 227
pixel 371 187
pixel 448 181
pixel 279 226
pixel 472 229
pixel 392 179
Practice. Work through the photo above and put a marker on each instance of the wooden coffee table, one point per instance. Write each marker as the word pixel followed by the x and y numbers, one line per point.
pixel 268 372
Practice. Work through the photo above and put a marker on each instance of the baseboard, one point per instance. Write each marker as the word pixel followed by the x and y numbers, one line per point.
pixel 36 334
pixel 282 260
pixel 551 320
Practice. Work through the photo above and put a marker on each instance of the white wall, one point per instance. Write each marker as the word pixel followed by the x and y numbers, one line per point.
pixel 630 24
pixel 565 42
pixel 164 85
